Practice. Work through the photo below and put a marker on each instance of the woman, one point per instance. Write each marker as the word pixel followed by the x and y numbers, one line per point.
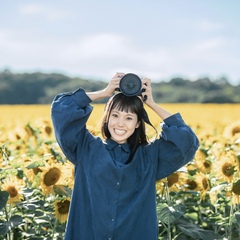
pixel 114 194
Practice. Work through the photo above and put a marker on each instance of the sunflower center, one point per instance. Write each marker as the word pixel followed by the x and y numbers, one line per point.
pixel 205 183
pixel 235 130
pixel 52 176
pixel 206 164
pixel 48 130
pixel 236 187
pixel 228 169
pixel 173 178
pixel 191 184
pixel 63 207
pixel 13 192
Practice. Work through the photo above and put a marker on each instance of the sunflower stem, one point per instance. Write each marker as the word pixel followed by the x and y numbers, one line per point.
pixel 6 213
pixel 7 219
pixel 230 220
pixel 168 202
pixel 54 229
pixel 5 156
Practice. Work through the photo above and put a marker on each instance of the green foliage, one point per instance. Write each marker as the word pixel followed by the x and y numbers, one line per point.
pixel 40 88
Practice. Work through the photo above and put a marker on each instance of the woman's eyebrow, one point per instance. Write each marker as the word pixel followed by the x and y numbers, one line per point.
pixel 127 113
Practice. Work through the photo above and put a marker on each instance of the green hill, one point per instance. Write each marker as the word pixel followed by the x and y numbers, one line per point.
pixel 40 88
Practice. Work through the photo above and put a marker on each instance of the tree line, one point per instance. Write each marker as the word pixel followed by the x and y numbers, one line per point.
pixel 41 88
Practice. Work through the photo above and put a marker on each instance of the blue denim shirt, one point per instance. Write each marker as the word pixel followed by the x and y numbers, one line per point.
pixel 111 199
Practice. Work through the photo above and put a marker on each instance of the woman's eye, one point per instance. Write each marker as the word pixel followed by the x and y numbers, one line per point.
pixel 129 118
pixel 114 115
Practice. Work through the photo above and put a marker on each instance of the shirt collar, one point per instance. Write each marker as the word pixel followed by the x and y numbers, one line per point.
pixel 110 144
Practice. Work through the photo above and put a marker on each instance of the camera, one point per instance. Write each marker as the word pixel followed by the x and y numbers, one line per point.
pixel 130 85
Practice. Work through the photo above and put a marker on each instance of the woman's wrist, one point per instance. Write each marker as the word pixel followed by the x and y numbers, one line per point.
pixel 97 95
pixel 162 113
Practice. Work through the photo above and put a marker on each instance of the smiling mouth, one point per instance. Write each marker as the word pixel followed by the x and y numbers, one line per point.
pixel 119 131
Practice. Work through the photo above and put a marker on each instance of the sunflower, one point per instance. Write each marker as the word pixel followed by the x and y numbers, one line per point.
pixel 32 168
pixel 61 208
pixel 159 187
pixel 44 127
pixel 203 184
pixel 192 185
pixel 226 166
pixel 232 131
pixel 14 187
pixel 52 174
pixel 17 134
pixel 69 169
pixel 236 192
pixel 202 164
pixel 174 182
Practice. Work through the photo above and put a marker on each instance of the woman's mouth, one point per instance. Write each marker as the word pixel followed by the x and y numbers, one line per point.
pixel 119 131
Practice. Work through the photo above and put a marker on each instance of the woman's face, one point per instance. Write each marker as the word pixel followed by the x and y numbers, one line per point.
pixel 122 125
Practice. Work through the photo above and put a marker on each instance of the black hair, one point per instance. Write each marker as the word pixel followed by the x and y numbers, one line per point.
pixel 131 104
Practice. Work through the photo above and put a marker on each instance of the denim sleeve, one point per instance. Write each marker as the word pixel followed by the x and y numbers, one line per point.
pixel 70 112
pixel 176 146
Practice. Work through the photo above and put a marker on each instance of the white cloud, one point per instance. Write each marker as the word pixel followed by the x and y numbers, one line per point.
pixel 101 55
pixel 210 44
pixel 43 11
pixel 207 25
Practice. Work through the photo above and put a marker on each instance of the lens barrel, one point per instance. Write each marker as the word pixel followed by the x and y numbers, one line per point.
pixel 130 84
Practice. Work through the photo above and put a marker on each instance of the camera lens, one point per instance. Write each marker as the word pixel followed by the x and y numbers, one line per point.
pixel 130 84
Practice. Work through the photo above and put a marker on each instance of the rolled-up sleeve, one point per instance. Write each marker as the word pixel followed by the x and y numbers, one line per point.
pixel 176 146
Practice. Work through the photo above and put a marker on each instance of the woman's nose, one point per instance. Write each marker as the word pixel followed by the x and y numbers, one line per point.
pixel 120 122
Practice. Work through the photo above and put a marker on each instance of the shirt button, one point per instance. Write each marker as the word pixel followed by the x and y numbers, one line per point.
pixel 118 183
pixel 113 219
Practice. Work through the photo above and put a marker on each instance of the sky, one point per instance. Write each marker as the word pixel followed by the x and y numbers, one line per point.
pixel 158 39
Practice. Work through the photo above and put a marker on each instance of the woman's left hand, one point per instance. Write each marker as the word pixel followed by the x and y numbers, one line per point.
pixel 147 91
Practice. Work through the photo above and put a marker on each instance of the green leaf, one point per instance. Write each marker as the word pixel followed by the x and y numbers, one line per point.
pixel 62 190
pixel 197 233
pixel 35 164
pixel 237 216
pixel 169 214
pixel 3 198
pixel 36 181
pixel 14 221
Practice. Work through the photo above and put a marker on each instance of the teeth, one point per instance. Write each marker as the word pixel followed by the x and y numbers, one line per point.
pixel 120 132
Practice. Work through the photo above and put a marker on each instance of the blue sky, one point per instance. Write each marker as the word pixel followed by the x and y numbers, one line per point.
pixel 155 38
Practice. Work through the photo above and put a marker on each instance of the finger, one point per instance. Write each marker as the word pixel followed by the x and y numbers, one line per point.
pixel 119 74
pixel 146 81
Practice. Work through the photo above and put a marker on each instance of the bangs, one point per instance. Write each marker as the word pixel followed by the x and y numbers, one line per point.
pixel 126 104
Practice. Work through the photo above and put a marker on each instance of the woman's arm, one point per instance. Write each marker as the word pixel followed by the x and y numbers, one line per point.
pixel 162 113
pixel 108 91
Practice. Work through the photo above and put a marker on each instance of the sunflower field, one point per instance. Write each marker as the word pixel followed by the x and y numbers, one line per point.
pixel 200 201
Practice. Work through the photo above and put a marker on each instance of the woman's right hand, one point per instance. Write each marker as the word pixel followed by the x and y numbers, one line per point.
pixel 114 83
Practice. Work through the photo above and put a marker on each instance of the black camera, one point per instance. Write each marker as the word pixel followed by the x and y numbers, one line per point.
pixel 130 85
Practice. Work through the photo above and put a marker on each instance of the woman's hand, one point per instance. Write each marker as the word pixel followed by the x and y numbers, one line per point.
pixel 114 83
pixel 147 91
pixel 109 90
pixel 162 113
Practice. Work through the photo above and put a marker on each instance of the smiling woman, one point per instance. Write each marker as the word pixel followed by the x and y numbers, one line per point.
pixel 123 163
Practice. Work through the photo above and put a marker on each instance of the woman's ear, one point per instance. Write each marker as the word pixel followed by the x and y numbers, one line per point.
pixel 138 124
